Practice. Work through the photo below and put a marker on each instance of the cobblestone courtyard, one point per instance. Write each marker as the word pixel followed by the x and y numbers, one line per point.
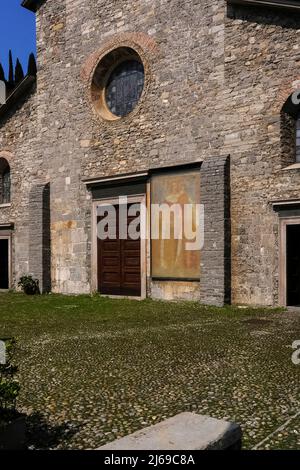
pixel 95 369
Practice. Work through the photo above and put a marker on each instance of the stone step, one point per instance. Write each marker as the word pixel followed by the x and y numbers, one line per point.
pixel 185 431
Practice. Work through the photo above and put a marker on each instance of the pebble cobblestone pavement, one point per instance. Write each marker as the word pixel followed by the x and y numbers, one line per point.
pixel 94 369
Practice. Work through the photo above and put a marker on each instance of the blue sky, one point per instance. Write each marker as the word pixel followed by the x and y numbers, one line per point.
pixel 17 32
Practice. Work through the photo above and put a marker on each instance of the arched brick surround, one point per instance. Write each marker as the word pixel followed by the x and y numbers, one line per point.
pixel 145 46
pixel 5 158
pixel 284 92
pixel 287 121
pixel 7 155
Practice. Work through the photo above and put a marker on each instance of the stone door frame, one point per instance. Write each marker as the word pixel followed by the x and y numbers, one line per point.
pixel 7 236
pixel 284 222
pixel 141 199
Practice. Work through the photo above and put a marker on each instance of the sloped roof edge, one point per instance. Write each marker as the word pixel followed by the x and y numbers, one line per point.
pixel 17 93
pixel 287 4
pixel 32 5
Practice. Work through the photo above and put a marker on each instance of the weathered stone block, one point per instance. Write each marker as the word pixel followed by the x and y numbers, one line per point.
pixel 186 431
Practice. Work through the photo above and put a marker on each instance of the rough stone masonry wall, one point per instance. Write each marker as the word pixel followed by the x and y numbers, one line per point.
pixel 215 86
pixel 179 117
pixel 261 70
pixel 178 121
pixel 59 112
pixel 18 144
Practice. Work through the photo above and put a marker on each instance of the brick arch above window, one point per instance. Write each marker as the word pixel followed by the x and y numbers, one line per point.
pixel 5 181
pixel 290 129
pixel 7 155
pixel 94 73
pixel 145 45
pixel 283 94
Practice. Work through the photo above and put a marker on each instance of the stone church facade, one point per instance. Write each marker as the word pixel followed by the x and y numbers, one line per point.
pixel 217 86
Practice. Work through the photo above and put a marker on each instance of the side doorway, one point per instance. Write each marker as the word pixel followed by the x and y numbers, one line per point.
pixel 4 263
pixel 290 263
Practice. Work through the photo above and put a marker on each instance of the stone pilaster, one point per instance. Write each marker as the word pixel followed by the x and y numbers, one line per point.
pixel 215 258
pixel 39 235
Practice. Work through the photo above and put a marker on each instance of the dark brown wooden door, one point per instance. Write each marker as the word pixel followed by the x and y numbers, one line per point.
pixel 119 264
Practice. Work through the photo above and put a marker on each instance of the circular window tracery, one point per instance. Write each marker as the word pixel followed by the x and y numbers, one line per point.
pixel 118 84
pixel 124 87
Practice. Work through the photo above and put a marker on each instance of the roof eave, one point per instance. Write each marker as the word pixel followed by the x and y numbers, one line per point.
pixel 32 5
pixel 23 88
pixel 283 4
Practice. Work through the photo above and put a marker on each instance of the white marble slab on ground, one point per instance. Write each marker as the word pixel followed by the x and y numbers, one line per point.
pixel 185 431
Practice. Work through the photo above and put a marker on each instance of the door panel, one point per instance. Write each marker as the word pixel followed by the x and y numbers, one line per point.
pixel 119 264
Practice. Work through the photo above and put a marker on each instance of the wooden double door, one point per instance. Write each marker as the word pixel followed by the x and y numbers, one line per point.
pixel 119 261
